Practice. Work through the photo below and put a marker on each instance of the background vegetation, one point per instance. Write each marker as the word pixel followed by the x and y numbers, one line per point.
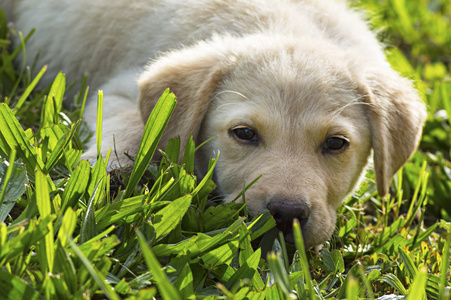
pixel 72 230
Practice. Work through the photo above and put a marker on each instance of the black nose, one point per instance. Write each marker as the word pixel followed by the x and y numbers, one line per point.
pixel 284 212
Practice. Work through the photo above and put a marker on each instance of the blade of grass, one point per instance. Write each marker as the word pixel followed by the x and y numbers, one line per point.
pixel 99 121
pixel 44 207
pixel 153 131
pixel 352 289
pixel 81 92
pixel 13 178
pixel 12 136
pixel 4 181
pixel 54 101
pixel 83 104
pixel 166 288
pixel 279 273
pixel 14 288
pixel 184 283
pixel 417 289
pixel 418 198
pixel 188 156
pixel 394 281
pixel 299 242
pixel 408 263
pixel 95 274
pixel 171 215
pixel 444 268
pixel 29 89
pixel 76 186
pixel 68 225
pixel 247 270
pixel 88 226
pixel 59 148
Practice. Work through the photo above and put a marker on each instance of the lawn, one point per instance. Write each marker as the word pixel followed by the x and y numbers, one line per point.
pixel 72 230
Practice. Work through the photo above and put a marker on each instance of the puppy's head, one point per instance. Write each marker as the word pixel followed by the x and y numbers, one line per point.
pixel 301 116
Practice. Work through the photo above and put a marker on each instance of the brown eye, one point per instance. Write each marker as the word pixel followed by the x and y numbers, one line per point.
pixel 336 143
pixel 244 134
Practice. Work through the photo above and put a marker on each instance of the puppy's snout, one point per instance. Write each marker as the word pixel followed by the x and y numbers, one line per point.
pixel 285 212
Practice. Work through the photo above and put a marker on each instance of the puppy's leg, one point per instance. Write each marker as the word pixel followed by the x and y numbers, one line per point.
pixel 122 125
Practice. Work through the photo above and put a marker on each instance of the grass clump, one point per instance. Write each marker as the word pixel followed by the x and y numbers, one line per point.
pixel 68 230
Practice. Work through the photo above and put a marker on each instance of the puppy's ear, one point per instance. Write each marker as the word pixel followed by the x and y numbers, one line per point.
pixel 396 115
pixel 193 75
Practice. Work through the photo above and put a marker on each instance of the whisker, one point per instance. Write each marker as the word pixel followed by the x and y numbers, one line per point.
pixel 232 92
pixel 356 101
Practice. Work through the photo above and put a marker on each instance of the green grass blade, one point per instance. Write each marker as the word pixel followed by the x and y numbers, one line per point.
pixel 184 283
pixel 207 177
pixel 299 242
pixel 166 288
pixel 12 136
pixel 56 154
pixel 3 25
pixel 12 184
pixel 261 224
pixel 188 156
pixel 88 226
pixel 111 213
pixel 280 274
pixel 14 288
pixel 417 290
pixel 65 267
pixel 170 216
pixel 408 263
pixel 153 131
pixel 394 281
pixel 5 177
pixel 352 289
pixel 220 255
pixel 99 125
pixel 246 271
pixel 83 103
pixel 95 274
pixel 54 101
pixel 19 244
pixel 79 99
pixel 247 187
pixel 68 225
pixel 76 186
pixel 444 268
pixel 44 207
pixel 60 148
pixel 29 89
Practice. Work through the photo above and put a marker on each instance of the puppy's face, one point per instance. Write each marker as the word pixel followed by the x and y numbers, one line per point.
pixel 302 115
pixel 298 123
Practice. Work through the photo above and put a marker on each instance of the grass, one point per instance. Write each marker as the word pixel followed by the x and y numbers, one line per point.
pixel 72 230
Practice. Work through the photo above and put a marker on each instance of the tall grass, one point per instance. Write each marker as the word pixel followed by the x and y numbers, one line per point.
pixel 72 230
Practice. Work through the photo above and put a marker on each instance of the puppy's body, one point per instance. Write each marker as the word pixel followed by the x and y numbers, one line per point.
pixel 301 76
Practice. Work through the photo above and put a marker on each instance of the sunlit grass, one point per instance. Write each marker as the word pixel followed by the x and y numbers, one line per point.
pixel 72 230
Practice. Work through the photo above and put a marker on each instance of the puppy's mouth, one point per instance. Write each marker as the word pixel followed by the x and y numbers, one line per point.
pixel 284 213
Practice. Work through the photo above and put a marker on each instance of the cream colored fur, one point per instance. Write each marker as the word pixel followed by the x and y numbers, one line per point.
pixel 296 72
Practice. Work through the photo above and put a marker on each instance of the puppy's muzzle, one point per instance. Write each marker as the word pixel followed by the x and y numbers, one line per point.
pixel 284 212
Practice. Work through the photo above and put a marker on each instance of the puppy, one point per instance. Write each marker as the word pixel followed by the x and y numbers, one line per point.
pixel 298 91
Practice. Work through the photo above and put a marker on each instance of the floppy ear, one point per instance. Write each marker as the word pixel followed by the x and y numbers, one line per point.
pixel 193 75
pixel 396 115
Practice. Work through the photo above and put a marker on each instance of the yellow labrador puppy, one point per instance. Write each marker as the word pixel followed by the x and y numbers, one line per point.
pixel 298 91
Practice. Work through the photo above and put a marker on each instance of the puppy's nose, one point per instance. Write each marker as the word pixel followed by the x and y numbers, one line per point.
pixel 284 213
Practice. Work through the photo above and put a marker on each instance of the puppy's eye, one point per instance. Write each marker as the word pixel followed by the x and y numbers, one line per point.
pixel 336 143
pixel 245 134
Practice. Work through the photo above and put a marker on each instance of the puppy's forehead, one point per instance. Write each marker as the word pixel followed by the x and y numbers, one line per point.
pixel 290 84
